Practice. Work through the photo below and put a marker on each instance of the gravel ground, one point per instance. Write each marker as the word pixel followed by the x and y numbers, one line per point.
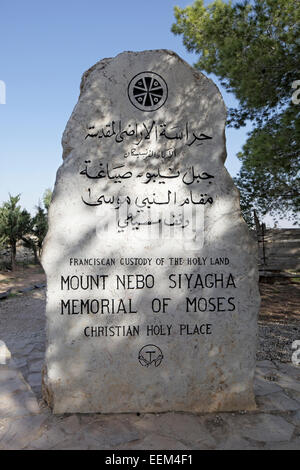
pixel 279 321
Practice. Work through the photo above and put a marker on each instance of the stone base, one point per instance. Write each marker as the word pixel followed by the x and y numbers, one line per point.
pixel 67 402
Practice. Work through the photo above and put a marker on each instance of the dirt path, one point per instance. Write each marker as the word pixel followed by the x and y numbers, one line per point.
pixel 21 279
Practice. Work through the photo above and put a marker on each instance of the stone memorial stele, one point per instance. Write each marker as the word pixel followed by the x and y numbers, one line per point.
pixel 152 294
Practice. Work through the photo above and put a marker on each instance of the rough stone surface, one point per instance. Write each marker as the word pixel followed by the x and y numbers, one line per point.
pixel 18 433
pixel 261 427
pixel 146 179
pixel 277 401
pixel 16 397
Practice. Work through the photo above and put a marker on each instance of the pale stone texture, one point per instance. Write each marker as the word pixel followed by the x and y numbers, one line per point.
pixel 260 427
pixel 16 397
pixel 277 401
pixel 18 432
pixel 5 355
pixel 113 149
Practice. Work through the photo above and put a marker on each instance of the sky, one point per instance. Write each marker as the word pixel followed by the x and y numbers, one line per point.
pixel 45 49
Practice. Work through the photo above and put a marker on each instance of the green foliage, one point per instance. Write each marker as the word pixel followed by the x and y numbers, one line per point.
pixel 47 196
pixel 269 179
pixel 254 48
pixel 15 223
pixel 39 226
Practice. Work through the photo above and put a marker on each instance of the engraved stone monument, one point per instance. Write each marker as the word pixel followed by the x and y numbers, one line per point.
pixel 152 294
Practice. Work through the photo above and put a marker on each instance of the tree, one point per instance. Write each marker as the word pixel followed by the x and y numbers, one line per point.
pixel 269 177
pixel 39 227
pixel 15 223
pixel 254 48
pixel 34 239
pixel 47 196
